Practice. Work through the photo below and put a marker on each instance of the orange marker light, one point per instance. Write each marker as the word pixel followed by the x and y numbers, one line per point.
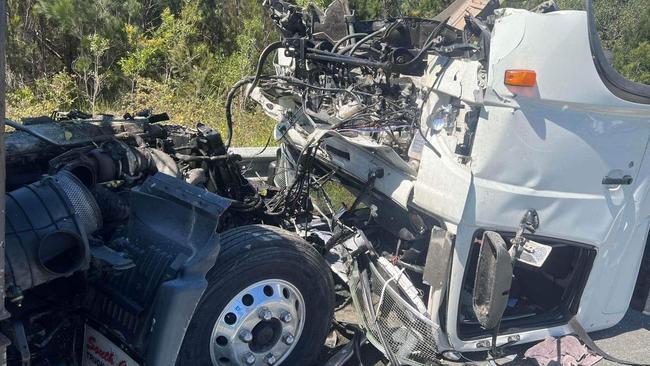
pixel 521 78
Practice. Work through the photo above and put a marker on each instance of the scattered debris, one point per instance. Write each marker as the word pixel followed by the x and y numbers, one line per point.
pixel 566 350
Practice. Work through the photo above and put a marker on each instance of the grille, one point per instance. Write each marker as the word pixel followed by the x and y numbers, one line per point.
pixel 410 335
pixel 84 204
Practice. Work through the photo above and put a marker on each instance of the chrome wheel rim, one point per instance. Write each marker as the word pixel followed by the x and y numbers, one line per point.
pixel 260 326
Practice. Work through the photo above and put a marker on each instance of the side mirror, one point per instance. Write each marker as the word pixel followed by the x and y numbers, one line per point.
pixel 493 281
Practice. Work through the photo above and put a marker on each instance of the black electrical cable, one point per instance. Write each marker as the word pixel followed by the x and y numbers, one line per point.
pixel 385 30
pixel 247 207
pixel 266 146
pixel 249 80
pixel 392 27
pixel 426 141
pixel 253 81
pixel 240 206
pixel 295 81
pixel 185 157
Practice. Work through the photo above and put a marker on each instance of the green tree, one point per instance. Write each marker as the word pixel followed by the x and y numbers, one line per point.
pixel 89 67
pixel 184 55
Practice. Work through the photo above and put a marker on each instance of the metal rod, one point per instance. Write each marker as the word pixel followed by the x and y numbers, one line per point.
pixel 332 57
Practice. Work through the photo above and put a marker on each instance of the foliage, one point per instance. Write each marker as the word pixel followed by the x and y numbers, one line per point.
pixel 48 94
pixel 379 9
pixel 182 56
pixel 635 63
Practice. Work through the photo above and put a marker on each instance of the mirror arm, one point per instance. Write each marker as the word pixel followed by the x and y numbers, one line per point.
pixel 529 223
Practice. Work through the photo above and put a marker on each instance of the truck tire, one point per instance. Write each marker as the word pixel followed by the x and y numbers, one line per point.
pixel 269 301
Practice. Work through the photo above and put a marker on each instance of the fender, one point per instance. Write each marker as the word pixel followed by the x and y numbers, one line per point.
pixel 170 214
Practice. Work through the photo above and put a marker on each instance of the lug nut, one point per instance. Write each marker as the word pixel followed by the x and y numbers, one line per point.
pixel 286 317
pixel 270 359
pixel 265 314
pixel 246 336
pixel 249 359
pixel 289 339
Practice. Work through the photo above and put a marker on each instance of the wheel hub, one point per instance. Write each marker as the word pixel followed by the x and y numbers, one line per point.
pixel 259 326
pixel 265 335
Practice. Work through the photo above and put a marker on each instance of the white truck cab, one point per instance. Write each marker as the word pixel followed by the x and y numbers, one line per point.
pixel 528 134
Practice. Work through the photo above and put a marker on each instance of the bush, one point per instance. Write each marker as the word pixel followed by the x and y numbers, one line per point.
pixel 182 56
pixel 48 94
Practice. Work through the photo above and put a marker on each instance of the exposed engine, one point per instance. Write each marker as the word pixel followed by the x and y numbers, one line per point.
pixel 103 211
pixel 366 80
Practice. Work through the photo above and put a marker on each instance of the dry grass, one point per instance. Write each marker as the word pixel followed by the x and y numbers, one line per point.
pixel 251 128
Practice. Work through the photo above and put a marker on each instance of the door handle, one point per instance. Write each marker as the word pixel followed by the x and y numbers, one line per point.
pixel 625 180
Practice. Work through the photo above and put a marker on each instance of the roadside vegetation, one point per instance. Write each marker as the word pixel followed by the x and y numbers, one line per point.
pixel 181 56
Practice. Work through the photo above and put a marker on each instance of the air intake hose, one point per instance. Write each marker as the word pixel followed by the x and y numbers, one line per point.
pixel 47 228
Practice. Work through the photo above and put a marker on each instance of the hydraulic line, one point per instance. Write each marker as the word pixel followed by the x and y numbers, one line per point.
pixel 387 30
pixel 348 37
pixel 366 39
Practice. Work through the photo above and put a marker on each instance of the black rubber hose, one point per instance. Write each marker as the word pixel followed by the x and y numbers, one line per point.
pixel 229 99
pixel 260 64
pixel 349 36
pixel 366 39
pixel 253 81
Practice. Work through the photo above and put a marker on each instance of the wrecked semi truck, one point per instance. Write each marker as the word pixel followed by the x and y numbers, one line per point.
pixel 497 162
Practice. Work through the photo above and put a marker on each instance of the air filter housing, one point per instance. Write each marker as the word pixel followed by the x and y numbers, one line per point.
pixel 47 228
